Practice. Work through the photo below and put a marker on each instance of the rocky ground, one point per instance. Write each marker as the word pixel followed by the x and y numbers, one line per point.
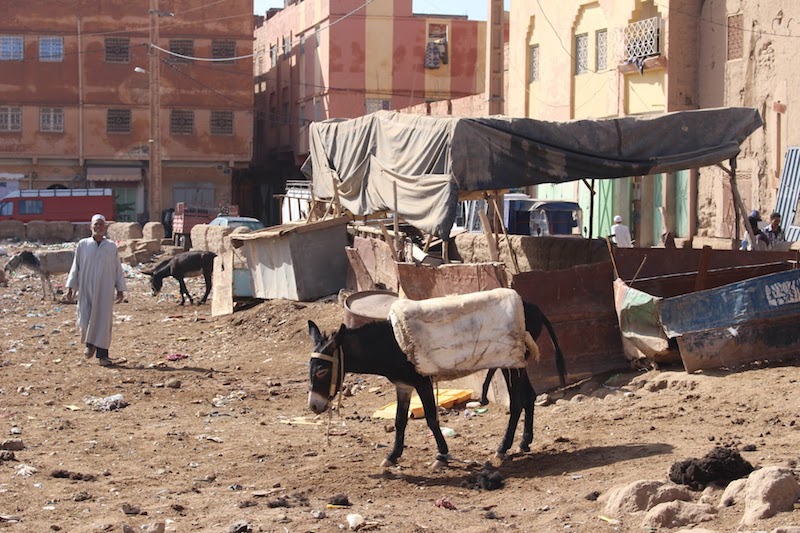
pixel 213 432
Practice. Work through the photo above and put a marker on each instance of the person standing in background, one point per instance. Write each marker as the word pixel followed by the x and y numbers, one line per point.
pixel 96 272
pixel 773 233
pixel 621 234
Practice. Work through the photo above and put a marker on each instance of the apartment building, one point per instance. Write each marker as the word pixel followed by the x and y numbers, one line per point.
pixel 316 60
pixel 86 101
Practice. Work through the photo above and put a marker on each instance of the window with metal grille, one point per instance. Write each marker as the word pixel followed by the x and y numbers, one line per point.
pixel 273 55
pixel 183 47
pixel 582 54
pixel 12 48
pixel 287 46
pixel 10 119
pixel 376 104
pixel 118 50
pixel 51 119
pixel 181 122
pixel 51 49
pixel 118 121
pixel 223 49
pixel 735 37
pixel 222 123
pixel 260 64
pixel 533 63
pixel 642 38
pixel 601 42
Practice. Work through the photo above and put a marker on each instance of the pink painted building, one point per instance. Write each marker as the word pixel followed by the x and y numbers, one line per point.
pixel 321 59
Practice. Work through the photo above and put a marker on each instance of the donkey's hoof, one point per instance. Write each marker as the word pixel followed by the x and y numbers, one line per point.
pixel 502 456
pixel 387 463
pixel 439 464
pixel 524 448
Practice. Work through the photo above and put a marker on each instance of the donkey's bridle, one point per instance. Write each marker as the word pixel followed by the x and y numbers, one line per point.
pixel 337 372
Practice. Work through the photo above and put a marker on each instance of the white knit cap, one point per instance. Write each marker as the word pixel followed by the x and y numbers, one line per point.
pixel 617 219
pixel 97 217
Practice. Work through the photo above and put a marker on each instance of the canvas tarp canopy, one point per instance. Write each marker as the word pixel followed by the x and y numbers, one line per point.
pixel 433 159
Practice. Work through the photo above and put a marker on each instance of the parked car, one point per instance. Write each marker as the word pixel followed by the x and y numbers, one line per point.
pixel 236 222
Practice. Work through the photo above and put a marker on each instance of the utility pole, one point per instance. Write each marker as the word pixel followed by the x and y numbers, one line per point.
pixel 154 171
pixel 495 31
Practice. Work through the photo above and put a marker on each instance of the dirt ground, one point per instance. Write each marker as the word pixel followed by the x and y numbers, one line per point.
pixel 222 439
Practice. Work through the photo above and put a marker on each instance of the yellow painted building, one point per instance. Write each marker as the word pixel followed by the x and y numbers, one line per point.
pixel 581 59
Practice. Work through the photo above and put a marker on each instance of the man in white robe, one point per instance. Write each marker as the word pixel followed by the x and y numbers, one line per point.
pixel 621 234
pixel 96 273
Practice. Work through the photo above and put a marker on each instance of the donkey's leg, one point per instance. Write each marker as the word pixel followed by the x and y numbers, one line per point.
pixel 185 291
pixel 400 422
pixel 43 277
pixel 528 397
pixel 207 278
pixel 50 286
pixel 424 388
pixel 514 414
pixel 485 388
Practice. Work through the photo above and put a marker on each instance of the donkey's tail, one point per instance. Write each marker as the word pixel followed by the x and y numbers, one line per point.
pixel 562 369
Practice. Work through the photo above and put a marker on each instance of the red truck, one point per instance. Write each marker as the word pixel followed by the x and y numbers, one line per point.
pixel 71 205
pixel 187 216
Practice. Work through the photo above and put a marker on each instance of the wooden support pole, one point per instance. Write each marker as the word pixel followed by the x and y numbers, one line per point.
pixel 487 231
pixel 738 204
pixel 396 243
pixel 505 234
pixel 335 199
pixel 388 241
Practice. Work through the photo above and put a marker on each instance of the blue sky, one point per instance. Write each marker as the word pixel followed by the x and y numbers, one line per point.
pixel 475 9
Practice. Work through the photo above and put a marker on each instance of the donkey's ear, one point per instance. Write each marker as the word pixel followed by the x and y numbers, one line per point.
pixel 340 333
pixel 313 330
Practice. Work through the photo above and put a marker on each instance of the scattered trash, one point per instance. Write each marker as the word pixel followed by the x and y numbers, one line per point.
pixel 109 403
pixel 235 486
pixel 354 521
pixel 209 437
pixel 612 521
pixel 448 432
pixel 473 405
pixel 176 357
pixel 445 503
pixel 25 470
pixel 317 514
pixel 338 501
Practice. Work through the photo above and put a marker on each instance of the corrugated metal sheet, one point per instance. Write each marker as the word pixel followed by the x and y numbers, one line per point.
pixel 789 194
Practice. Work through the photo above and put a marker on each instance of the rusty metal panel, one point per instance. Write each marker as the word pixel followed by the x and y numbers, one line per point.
pixel 662 261
pixel 377 268
pixel 579 302
pixel 418 282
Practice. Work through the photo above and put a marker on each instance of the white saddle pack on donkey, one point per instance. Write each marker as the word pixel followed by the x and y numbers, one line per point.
pixel 457 335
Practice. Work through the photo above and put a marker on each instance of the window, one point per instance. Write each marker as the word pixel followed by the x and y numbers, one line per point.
pixel 118 50
pixel 260 64
pixel 222 123
pixel 581 54
pixel 376 104
pixel 319 109
pixel 181 122
pixel 10 119
pixel 301 114
pixel 51 49
pixel 735 37
pixel 601 42
pixel 11 48
pixel 118 121
pixel 51 119
pixel 183 47
pixel 302 44
pixel 287 46
pixel 642 39
pixel 273 55
pixel 223 49
pixel 533 63
pixel 31 207
pixel 317 35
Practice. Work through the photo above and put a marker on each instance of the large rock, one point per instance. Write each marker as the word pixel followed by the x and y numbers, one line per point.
pixel 677 514
pixel 122 231
pixel 734 493
pixel 154 231
pixel 643 495
pixel 51 232
pixel 768 492
pixel 12 229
